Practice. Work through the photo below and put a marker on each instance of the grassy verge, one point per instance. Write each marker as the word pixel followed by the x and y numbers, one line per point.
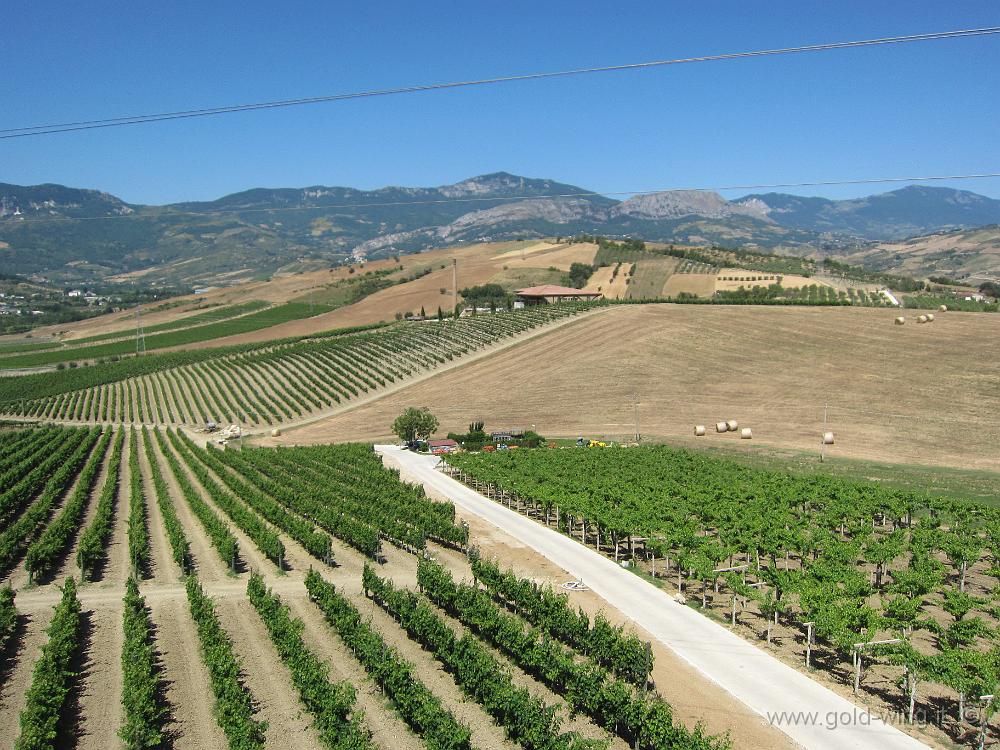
pixel 932 302
pixel 209 316
pixel 958 484
pixel 975 485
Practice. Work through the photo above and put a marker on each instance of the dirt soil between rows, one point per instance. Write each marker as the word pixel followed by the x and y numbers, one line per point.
pixel 191 723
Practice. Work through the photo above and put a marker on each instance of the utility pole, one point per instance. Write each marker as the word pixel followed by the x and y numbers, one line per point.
pixel 822 440
pixel 454 285
pixel 635 409
pixel 140 335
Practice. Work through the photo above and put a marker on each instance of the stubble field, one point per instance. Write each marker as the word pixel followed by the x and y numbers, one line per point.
pixel 922 394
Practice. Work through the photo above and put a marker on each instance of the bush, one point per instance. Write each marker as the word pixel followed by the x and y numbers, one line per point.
pixel 579 274
pixel 531 439
pixel 486 295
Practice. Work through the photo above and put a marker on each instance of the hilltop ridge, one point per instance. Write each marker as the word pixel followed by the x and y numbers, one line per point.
pixel 71 235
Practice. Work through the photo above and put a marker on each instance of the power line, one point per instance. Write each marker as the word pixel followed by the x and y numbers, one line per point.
pixel 511 199
pixel 65 127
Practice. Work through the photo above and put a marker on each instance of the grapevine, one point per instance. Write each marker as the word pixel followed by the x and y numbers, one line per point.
pixel 50 682
pixel 141 684
pixel 330 703
pixel 233 702
pixel 418 706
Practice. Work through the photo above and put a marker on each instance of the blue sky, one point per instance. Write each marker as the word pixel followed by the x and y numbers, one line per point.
pixel 929 108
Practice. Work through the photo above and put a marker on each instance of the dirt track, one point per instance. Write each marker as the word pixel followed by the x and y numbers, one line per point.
pixel 921 394
pixel 758 681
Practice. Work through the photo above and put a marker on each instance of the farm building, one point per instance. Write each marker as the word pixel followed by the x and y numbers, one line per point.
pixel 505 436
pixel 442 446
pixel 547 293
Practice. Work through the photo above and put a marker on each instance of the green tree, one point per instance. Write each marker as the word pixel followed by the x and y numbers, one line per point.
pixel 415 424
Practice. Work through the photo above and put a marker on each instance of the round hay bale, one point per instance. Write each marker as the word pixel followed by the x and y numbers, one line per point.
pixel 943 308
pixel 733 425
pixel 827 438
pixel 699 430
pixel 900 320
pixel 746 434
pixel 930 317
pixel 276 432
pixel 922 319
pixel 721 427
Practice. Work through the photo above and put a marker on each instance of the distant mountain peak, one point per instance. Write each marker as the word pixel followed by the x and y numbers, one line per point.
pixel 673 204
pixel 21 201
pixel 505 184
pixel 904 212
pixel 267 229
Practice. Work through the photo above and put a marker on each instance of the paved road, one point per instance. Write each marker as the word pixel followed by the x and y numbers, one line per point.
pixel 752 676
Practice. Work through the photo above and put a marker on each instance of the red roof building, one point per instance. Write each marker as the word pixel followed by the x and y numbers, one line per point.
pixel 442 446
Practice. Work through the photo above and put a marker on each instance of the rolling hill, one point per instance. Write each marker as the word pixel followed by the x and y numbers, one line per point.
pixel 326 299
pixel 971 256
pixel 909 211
pixel 70 235
pixel 775 370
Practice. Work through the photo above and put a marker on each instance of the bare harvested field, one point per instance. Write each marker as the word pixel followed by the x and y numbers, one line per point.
pixel 611 281
pixel 523 249
pixel 651 276
pixel 278 290
pixel 477 264
pixel 699 284
pixel 95 694
pixel 563 256
pixel 911 394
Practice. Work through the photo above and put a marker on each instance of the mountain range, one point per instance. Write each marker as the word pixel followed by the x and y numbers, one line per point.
pixel 72 235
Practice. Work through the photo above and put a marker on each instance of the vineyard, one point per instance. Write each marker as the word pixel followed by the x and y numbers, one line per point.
pixel 243 320
pixel 119 599
pixel 260 385
pixel 892 592
pixel 157 590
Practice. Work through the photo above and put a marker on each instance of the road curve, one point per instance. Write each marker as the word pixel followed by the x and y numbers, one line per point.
pixel 824 720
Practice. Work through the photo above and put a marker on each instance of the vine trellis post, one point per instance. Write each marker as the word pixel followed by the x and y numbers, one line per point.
pixel 858 647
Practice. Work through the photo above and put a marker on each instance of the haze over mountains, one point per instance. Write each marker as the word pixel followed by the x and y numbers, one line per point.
pixel 69 234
